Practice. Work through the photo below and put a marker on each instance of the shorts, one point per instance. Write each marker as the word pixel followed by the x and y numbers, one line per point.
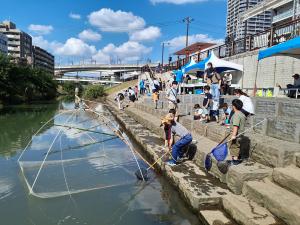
pixel 206 111
pixel 172 105
pixel 132 98
pixel 240 147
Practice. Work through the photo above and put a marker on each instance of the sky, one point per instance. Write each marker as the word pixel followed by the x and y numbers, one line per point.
pixel 111 31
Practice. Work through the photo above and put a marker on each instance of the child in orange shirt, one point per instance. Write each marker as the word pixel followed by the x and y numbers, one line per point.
pixel 155 98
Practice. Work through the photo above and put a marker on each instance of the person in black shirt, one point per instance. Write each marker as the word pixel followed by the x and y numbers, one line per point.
pixel 207 102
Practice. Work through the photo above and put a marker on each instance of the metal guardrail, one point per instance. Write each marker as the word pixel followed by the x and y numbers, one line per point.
pixel 273 36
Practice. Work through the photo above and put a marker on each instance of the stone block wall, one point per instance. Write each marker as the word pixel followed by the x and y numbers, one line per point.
pixel 271 70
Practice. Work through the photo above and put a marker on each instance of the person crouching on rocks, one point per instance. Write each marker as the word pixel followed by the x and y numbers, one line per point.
pixel 185 139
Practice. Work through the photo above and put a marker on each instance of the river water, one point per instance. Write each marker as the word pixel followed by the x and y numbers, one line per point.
pixel 125 203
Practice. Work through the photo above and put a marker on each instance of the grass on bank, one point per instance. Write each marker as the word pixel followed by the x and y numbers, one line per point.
pixel 119 87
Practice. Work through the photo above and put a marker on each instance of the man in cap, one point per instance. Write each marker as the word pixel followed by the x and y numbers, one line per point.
pixel 184 135
pixel 292 93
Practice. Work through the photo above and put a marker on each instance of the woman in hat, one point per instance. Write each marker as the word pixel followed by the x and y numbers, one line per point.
pixel 183 133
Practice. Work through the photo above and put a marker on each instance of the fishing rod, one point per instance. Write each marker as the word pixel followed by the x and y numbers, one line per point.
pixel 81 146
pixel 83 129
pixel 143 172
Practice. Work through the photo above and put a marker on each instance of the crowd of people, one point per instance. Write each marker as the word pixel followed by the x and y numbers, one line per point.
pixel 233 116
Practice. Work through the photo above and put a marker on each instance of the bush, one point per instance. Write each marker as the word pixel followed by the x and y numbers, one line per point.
pixel 20 83
pixel 69 87
pixel 93 92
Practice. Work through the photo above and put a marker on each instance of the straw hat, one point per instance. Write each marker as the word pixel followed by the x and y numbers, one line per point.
pixel 167 118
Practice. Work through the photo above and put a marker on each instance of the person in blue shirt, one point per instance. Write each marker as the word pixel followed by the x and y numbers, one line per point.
pixel 142 87
pixel 179 79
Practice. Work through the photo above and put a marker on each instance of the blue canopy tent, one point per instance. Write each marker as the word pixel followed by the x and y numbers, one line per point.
pixel 289 48
pixel 198 66
pixel 191 63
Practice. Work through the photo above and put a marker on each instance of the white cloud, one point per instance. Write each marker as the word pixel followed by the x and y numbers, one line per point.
pixel 116 21
pixel 179 42
pixel 126 52
pixel 90 35
pixel 75 47
pixel 75 16
pixel 45 44
pixel 177 2
pixel 40 29
pixel 147 34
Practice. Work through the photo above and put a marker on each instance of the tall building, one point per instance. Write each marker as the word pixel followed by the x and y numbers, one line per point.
pixel 43 59
pixel 282 11
pixel 3 44
pixel 237 29
pixel 19 43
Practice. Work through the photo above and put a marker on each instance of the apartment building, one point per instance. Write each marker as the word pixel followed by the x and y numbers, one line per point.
pixel 282 11
pixel 236 28
pixel 43 59
pixel 19 43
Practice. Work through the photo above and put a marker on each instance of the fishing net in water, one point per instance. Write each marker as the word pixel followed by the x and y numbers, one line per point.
pixel 75 154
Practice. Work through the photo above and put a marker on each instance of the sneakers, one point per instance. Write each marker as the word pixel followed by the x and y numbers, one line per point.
pixel 170 163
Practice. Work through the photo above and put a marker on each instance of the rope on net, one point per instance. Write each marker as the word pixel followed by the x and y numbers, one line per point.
pixel 40 169
pixel 64 173
pixel 22 153
pixel 118 133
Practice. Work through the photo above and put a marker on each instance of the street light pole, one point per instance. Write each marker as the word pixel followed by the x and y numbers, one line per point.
pixel 162 52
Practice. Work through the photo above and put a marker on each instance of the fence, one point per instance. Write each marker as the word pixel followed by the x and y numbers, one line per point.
pixel 273 36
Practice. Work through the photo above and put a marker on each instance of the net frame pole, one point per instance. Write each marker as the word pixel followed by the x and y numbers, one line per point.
pixel 40 169
pixel 39 131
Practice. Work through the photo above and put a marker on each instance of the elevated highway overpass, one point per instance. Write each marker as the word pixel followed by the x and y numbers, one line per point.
pixel 112 68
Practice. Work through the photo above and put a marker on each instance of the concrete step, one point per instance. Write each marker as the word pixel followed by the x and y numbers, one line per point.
pixel 215 217
pixel 199 188
pixel 266 150
pixel 247 212
pixel 288 178
pixel 279 201
pixel 236 175
pixel 297 160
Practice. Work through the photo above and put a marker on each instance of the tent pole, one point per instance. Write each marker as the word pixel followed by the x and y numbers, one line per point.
pixel 275 66
pixel 255 86
pixel 243 73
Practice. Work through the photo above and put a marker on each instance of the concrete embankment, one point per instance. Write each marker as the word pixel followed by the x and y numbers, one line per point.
pixel 212 200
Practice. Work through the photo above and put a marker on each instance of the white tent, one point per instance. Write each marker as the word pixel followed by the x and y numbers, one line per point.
pixel 219 64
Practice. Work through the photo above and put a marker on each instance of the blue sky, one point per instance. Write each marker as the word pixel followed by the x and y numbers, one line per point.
pixel 111 30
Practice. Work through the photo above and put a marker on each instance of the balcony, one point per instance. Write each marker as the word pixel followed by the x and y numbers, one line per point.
pixel 283 16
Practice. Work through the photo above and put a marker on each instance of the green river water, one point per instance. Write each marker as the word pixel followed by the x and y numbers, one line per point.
pixel 133 203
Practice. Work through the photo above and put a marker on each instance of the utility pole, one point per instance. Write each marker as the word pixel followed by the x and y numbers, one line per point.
pixel 162 52
pixel 187 20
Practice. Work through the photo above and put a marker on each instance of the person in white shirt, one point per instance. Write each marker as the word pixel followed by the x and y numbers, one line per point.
pixel 227 82
pixel 248 107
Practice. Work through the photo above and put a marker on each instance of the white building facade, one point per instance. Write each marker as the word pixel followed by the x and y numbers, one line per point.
pixel 19 43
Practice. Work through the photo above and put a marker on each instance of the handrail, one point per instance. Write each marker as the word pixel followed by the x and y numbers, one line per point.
pixel 266 38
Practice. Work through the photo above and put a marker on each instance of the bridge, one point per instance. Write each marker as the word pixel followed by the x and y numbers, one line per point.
pixel 94 81
pixel 112 68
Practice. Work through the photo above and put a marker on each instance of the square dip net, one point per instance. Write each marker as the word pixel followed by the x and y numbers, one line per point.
pixel 74 153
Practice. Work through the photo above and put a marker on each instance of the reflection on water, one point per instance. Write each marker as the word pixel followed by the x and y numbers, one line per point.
pixel 128 203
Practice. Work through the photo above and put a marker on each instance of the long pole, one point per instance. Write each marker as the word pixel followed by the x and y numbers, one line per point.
pixel 162 54
pixel 187 20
